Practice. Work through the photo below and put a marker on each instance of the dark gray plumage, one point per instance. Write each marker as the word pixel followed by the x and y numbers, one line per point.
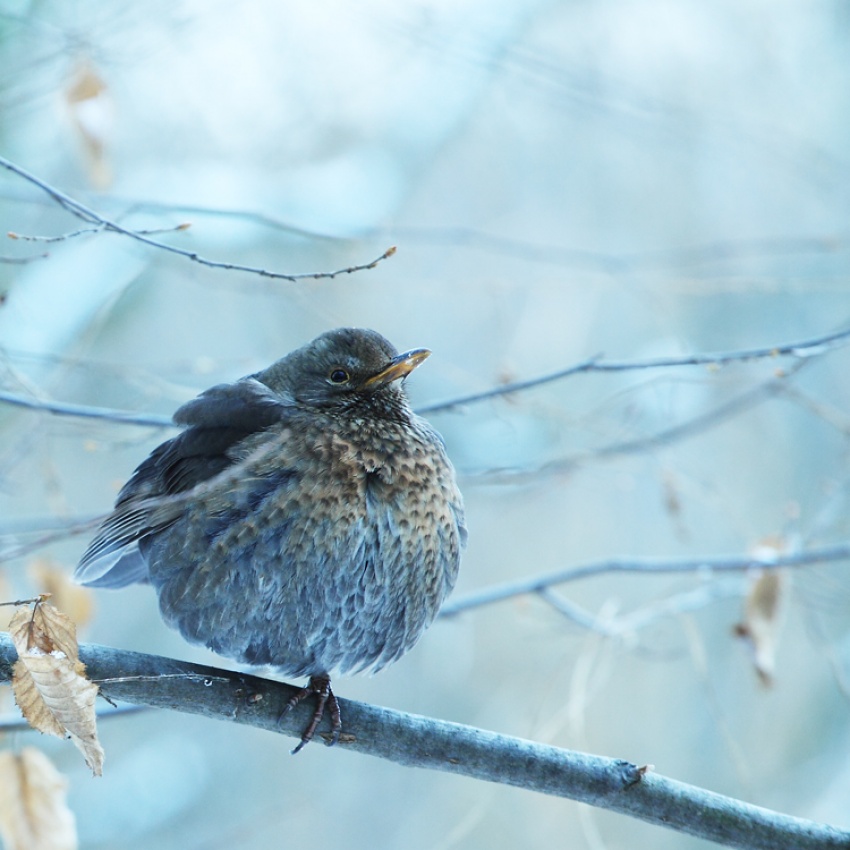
pixel 305 518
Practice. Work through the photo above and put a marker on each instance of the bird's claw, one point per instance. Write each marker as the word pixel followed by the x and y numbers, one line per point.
pixel 321 687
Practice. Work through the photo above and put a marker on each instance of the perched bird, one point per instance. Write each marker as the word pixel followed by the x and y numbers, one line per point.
pixel 305 518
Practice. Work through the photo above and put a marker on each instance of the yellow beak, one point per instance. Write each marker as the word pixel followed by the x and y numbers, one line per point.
pixel 399 367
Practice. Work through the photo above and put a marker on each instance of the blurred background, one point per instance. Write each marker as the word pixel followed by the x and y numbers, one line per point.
pixel 563 180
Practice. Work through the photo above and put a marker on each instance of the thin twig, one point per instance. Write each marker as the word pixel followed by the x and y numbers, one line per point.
pixel 20 549
pixel 644 566
pixel 86 231
pixel 22 261
pixel 609 263
pixel 16 602
pixel 660 439
pixel 83 411
pixel 805 348
pixel 15 723
pixel 633 621
pixel 89 215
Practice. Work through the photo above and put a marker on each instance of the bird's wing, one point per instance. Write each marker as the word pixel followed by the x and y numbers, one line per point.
pixel 150 501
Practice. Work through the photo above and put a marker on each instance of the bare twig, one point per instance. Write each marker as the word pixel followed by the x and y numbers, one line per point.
pixel 86 231
pixel 15 723
pixel 83 411
pixel 803 349
pixel 22 261
pixel 655 566
pixel 425 742
pixel 633 621
pixel 806 348
pixel 20 549
pixel 692 256
pixel 659 439
pixel 695 425
pixel 88 215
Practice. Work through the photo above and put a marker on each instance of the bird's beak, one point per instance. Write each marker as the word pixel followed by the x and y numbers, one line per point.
pixel 399 367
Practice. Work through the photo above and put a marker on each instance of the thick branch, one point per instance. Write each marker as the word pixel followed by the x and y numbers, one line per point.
pixel 424 742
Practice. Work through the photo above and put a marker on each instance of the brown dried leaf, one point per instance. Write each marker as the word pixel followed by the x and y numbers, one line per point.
pixel 34 814
pixel 88 103
pixel 49 680
pixel 44 628
pixel 74 599
pixel 672 499
pixel 761 623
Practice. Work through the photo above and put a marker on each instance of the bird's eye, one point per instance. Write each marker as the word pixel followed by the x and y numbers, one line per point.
pixel 339 376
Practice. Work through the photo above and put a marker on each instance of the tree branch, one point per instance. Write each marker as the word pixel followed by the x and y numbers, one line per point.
pixel 89 216
pixel 693 256
pixel 712 563
pixel 84 411
pixel 424 742
pixel 804 348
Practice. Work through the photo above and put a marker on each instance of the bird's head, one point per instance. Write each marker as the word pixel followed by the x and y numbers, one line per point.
pixel 346 368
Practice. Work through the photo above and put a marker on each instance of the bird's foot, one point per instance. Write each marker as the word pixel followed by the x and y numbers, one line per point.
pixel 321 687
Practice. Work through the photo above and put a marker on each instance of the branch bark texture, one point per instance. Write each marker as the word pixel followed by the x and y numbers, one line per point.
pixel 425 742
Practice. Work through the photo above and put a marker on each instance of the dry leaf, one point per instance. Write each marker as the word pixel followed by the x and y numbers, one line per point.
pixel 74 599
pixel 760 626
pixel 90 110
pixel 33 812
pixel 672 499
pixel 49 680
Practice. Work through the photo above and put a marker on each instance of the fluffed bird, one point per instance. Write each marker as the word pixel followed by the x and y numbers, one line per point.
pixel 305 518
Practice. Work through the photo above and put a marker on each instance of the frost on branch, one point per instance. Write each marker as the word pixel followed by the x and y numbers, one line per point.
pixel 49 680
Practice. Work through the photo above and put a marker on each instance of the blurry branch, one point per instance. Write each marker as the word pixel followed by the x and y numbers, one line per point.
pixel 262 219
pixel 89 216
pixel 704 566
pixel 682 430
pixel 15 723
pixel 22 261
pixel 702 422
pixel 667 436
pixel 632 622
pixel 828 413
pixel 86 412
pixel 576 258
pixel 803 349
pixel 426 742
pixel 63 532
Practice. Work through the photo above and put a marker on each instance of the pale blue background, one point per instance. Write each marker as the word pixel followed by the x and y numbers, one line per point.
pixel 562 179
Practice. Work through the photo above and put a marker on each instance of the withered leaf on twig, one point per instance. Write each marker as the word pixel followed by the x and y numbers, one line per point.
pixel 761 623
pixel 49 680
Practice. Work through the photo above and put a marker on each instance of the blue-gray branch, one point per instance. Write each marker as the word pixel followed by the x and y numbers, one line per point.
pixel 439 745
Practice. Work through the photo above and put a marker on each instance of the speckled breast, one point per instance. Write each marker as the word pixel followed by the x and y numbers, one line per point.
pixel 332 549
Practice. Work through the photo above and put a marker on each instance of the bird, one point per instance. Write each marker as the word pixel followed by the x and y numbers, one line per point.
pixel 304 519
